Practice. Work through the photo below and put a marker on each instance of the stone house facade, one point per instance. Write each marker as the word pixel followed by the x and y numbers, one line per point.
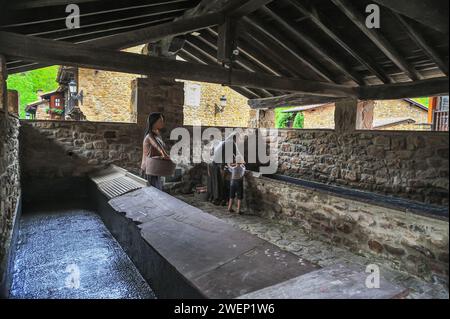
pixel 398 115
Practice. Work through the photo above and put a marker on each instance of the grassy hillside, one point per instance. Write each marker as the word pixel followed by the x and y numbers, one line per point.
pixel 28 83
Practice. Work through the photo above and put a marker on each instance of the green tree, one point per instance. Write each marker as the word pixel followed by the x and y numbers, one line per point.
pixel 299 121
pixel 28 83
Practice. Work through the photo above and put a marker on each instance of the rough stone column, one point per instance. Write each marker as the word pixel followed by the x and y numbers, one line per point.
pixel 3 92
pixel 158 95
pixel 13 102
pixel 345 116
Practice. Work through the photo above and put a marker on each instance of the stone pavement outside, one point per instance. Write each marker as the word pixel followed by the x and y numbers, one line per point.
pixel 294 240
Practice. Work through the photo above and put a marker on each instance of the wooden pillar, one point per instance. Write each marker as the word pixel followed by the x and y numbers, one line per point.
pixel 431 109
pixel 364 115
pixel 345 116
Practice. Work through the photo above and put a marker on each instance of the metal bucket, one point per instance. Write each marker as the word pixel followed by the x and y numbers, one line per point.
pixel 157 166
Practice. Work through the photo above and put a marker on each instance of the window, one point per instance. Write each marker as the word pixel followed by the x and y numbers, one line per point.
pixel 57 102
pixel 192 94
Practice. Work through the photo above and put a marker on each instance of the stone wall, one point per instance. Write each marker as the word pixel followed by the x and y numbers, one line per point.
pixel 107 95
pixel 321 118
pixel 10 191
pixel 400 109
pixel 410 242
pixel 57 156
pixel 235 114
pixel 158 95
pixel 412 165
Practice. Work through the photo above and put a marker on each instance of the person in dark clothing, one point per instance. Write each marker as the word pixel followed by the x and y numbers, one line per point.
pixel 219 181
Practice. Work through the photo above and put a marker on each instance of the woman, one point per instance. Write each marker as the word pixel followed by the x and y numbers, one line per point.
pixel 153 146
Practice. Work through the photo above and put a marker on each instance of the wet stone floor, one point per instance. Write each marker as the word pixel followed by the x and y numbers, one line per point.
pixel 321 253
pixel 66 252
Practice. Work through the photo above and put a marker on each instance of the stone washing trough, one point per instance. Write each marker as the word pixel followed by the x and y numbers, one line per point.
pixel 183 252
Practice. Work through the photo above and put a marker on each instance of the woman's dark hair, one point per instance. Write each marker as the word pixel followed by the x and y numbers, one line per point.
pixel 152 119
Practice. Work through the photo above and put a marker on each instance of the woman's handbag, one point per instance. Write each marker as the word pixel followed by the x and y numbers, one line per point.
pixel 158 166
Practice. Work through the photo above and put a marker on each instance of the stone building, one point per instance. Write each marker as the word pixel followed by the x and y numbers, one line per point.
pixel 377 196
pixel 107 97
pixel 405 114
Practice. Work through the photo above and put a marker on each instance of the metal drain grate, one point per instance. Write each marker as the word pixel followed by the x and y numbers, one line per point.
pixel 115 181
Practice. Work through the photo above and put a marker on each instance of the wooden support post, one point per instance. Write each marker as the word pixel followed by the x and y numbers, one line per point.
pixel 227 43
pixel 432 109
pixel 364 115
pixel 345 116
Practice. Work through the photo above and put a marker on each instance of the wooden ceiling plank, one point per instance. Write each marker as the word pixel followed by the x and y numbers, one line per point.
pixel 378 39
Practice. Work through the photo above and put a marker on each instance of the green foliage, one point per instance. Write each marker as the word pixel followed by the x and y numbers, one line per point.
pixel 423 100
pixel 299 121
pixel 28 83
pixel 282 119
pixel 55 111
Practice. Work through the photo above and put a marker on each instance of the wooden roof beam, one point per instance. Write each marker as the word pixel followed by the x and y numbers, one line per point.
pixel 431 13
pixel 289 100
pixel 371 66
pixel 239 8
pixel 430 87
pixel 32 4
pixel 307 62
pixel 423 44
pixel 63 53
pixel 378 39
pixel 310 42
pixel 248 93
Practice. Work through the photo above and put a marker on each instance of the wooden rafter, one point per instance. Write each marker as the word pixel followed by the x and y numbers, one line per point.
pixel 423 44
pixel 288 47
pixel 317 48
pixel 363 60
pixel 431 13
pixel 378 39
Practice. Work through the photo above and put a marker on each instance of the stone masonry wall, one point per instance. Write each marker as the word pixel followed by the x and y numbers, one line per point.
pixel 60 152
pixel 235 114
pixel 10 189
pixel 412 165
pixel 107 95
pixel 400 109
pixel 410 242
pixel 321 118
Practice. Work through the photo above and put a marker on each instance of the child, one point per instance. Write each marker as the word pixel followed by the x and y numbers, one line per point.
pixel 237 171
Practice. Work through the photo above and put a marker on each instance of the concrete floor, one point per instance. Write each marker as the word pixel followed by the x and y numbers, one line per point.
pixel 295 240
pixel 66 252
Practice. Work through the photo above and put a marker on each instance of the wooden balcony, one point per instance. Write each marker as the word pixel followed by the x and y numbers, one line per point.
pixel 440 122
